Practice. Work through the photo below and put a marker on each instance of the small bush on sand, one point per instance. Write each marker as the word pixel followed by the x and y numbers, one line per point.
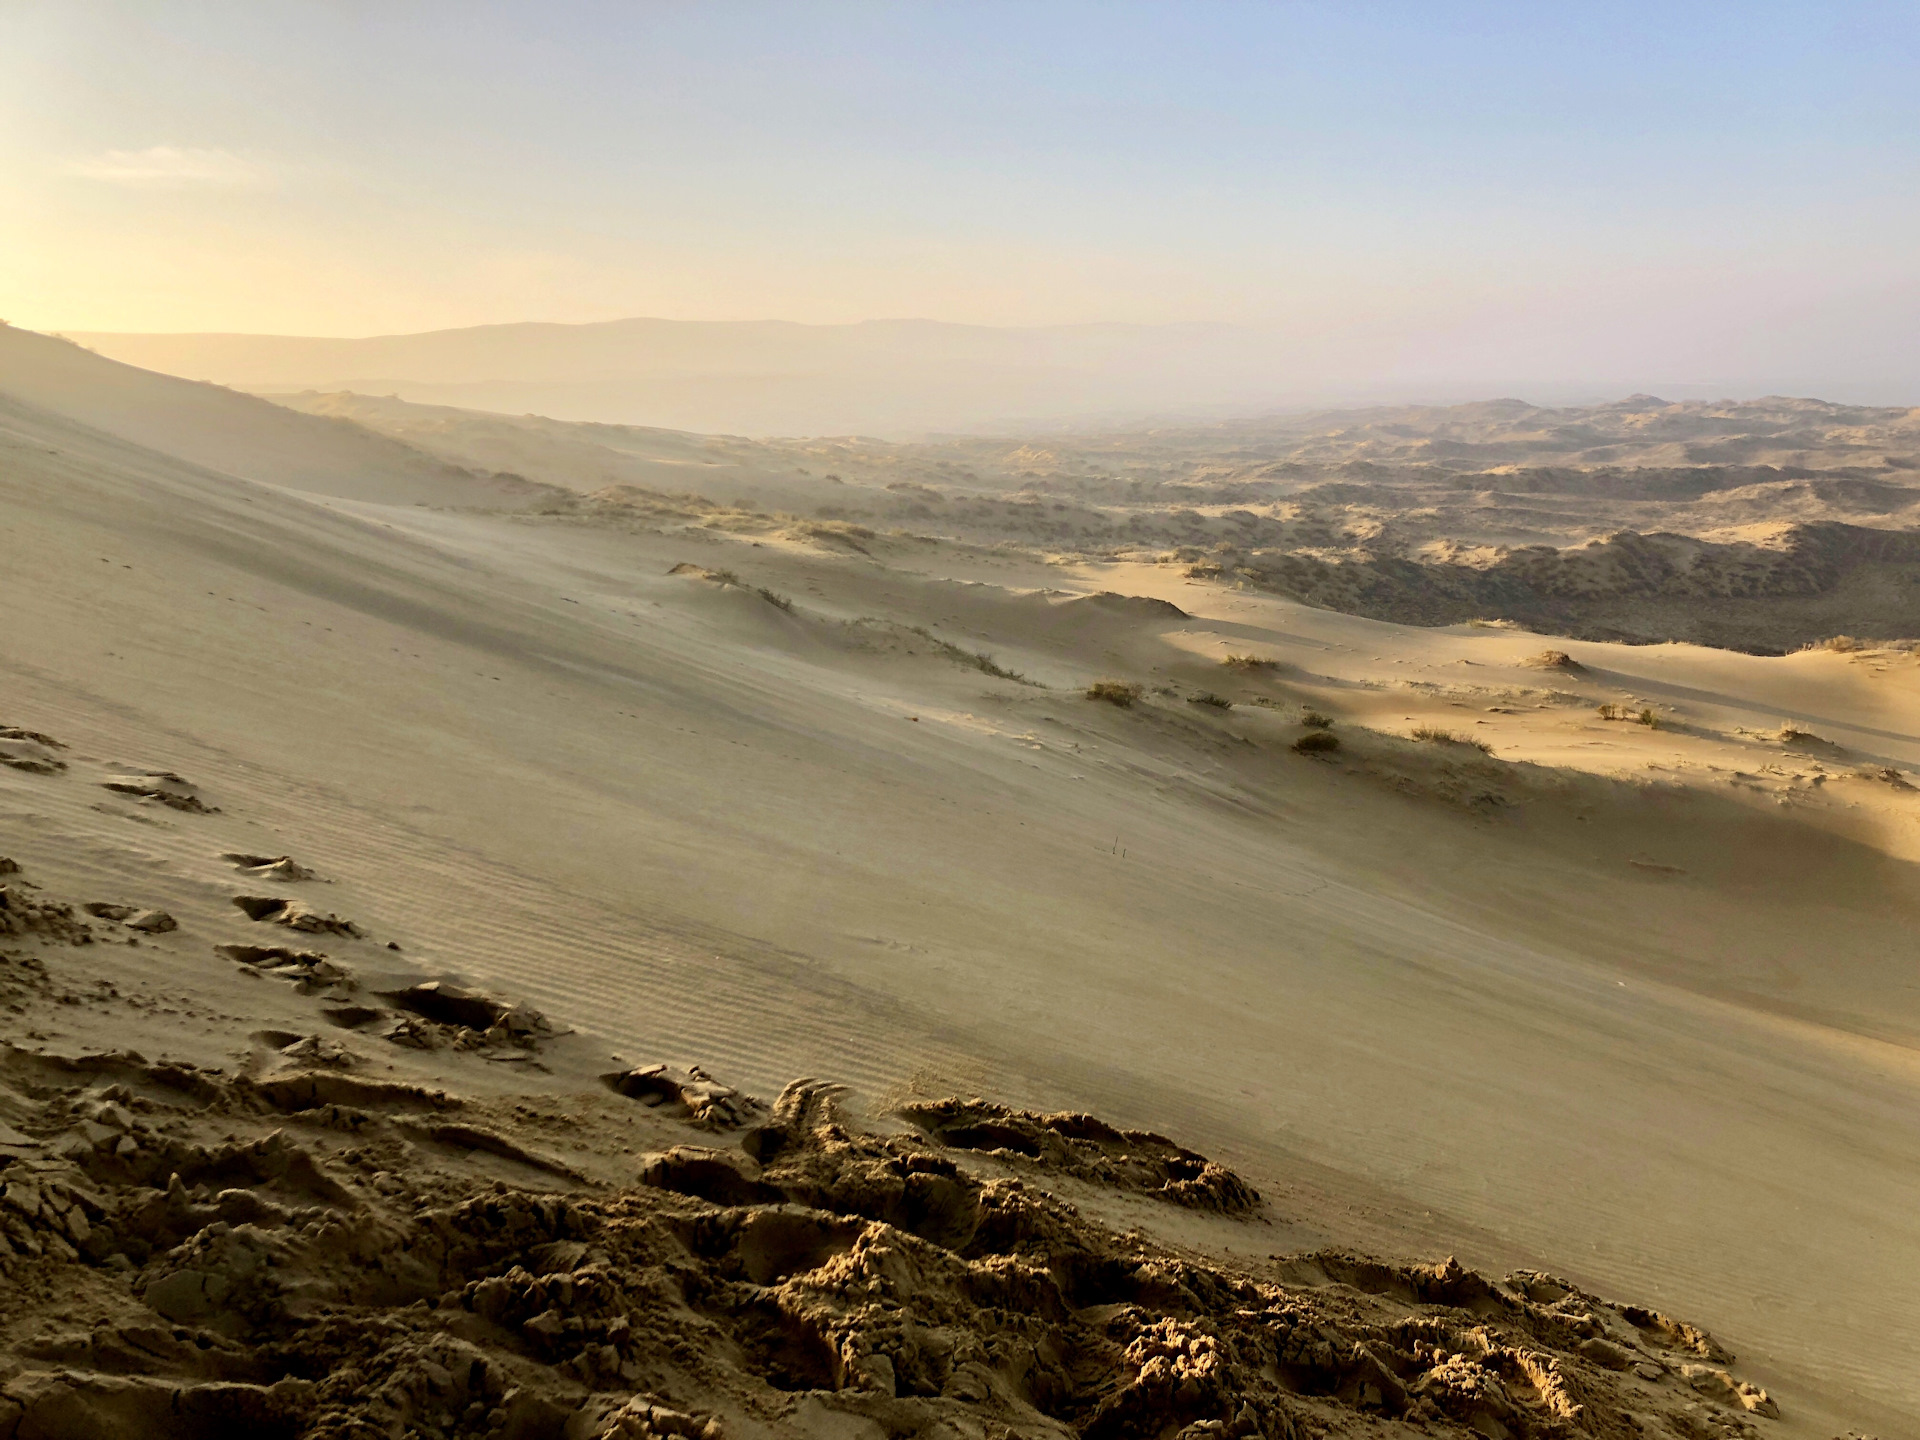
pixel 1114 692
pixel 1844 644
pixel 1643 716
pixel 1317 742
pixel 1250 662
pixel 1434 735
pixel 1555 660
pixel 1886 774
pixel 1314 720
pixel 723 577
pixel 978 659
pixel 1218 702
pixel 1792 734
pixel 778 601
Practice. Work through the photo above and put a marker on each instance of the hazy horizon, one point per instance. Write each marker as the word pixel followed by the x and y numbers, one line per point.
pixel 887 378
pixel 1414 200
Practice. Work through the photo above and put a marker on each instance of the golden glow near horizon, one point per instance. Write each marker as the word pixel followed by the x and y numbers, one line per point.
pixel 1451 190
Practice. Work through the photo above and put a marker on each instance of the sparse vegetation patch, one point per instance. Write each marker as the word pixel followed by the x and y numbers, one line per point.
pixel 1114 692
pixel 1317 742
pixel 1556 660
pixel 1250 662
pixel 1642 716
pixel 974 659
pixel 1436 736
pixel 1217 702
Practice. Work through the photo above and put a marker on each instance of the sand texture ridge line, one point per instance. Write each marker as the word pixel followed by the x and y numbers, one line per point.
pixel 432 844
pixel 320 1240
pixel 358 1230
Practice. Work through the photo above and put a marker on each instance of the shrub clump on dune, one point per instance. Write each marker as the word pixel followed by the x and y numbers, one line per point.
pixel 1555 660
pixel 1114 692
pixel 1436 736
pixel 1317 742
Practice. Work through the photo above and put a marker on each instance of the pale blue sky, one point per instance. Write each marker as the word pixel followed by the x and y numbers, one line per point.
pixel 1581 187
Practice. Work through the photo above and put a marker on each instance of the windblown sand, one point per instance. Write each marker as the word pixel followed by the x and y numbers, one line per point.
pixel 1604 1009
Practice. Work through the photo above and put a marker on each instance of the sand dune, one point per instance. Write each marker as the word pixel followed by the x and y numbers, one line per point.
pixel 1609 522
pixel 235 434
pixel 1624 1003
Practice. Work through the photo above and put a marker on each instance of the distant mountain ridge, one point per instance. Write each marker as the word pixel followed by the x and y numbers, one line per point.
pixel 755 377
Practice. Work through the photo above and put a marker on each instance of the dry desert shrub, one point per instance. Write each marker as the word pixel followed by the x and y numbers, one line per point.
pixel 1644 717
pixel 778 601
pixel 1114 692
pixel 1314 720
pixel 1250 662
pixel 1434 735
pixel 1217 702
pixel 1317 742
pixel 977 659
pixel 1555 660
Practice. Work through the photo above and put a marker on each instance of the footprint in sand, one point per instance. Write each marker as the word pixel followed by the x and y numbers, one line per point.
pixel 163 787
pixel 690 1093
pixel 308 969
pixel 268 867
pixel 30 751
pixel 134 917
pixel 295 915
pixel 442 1014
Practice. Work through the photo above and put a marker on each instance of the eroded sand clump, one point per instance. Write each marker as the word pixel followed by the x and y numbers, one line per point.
pixel 201 1254
pixel 1087 1147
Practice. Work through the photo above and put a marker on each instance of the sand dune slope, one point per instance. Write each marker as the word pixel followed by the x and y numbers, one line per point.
pixel 770 813
pixel 234 433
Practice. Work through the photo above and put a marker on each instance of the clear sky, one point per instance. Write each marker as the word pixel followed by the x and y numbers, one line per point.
pixel 1595 189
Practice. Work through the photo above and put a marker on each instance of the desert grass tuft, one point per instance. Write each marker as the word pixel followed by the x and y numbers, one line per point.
pixel 1317 742
pixel 1217 702
pixel 1555 660
pixel 1114 692
pixel 974 659
pixel 1436 736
